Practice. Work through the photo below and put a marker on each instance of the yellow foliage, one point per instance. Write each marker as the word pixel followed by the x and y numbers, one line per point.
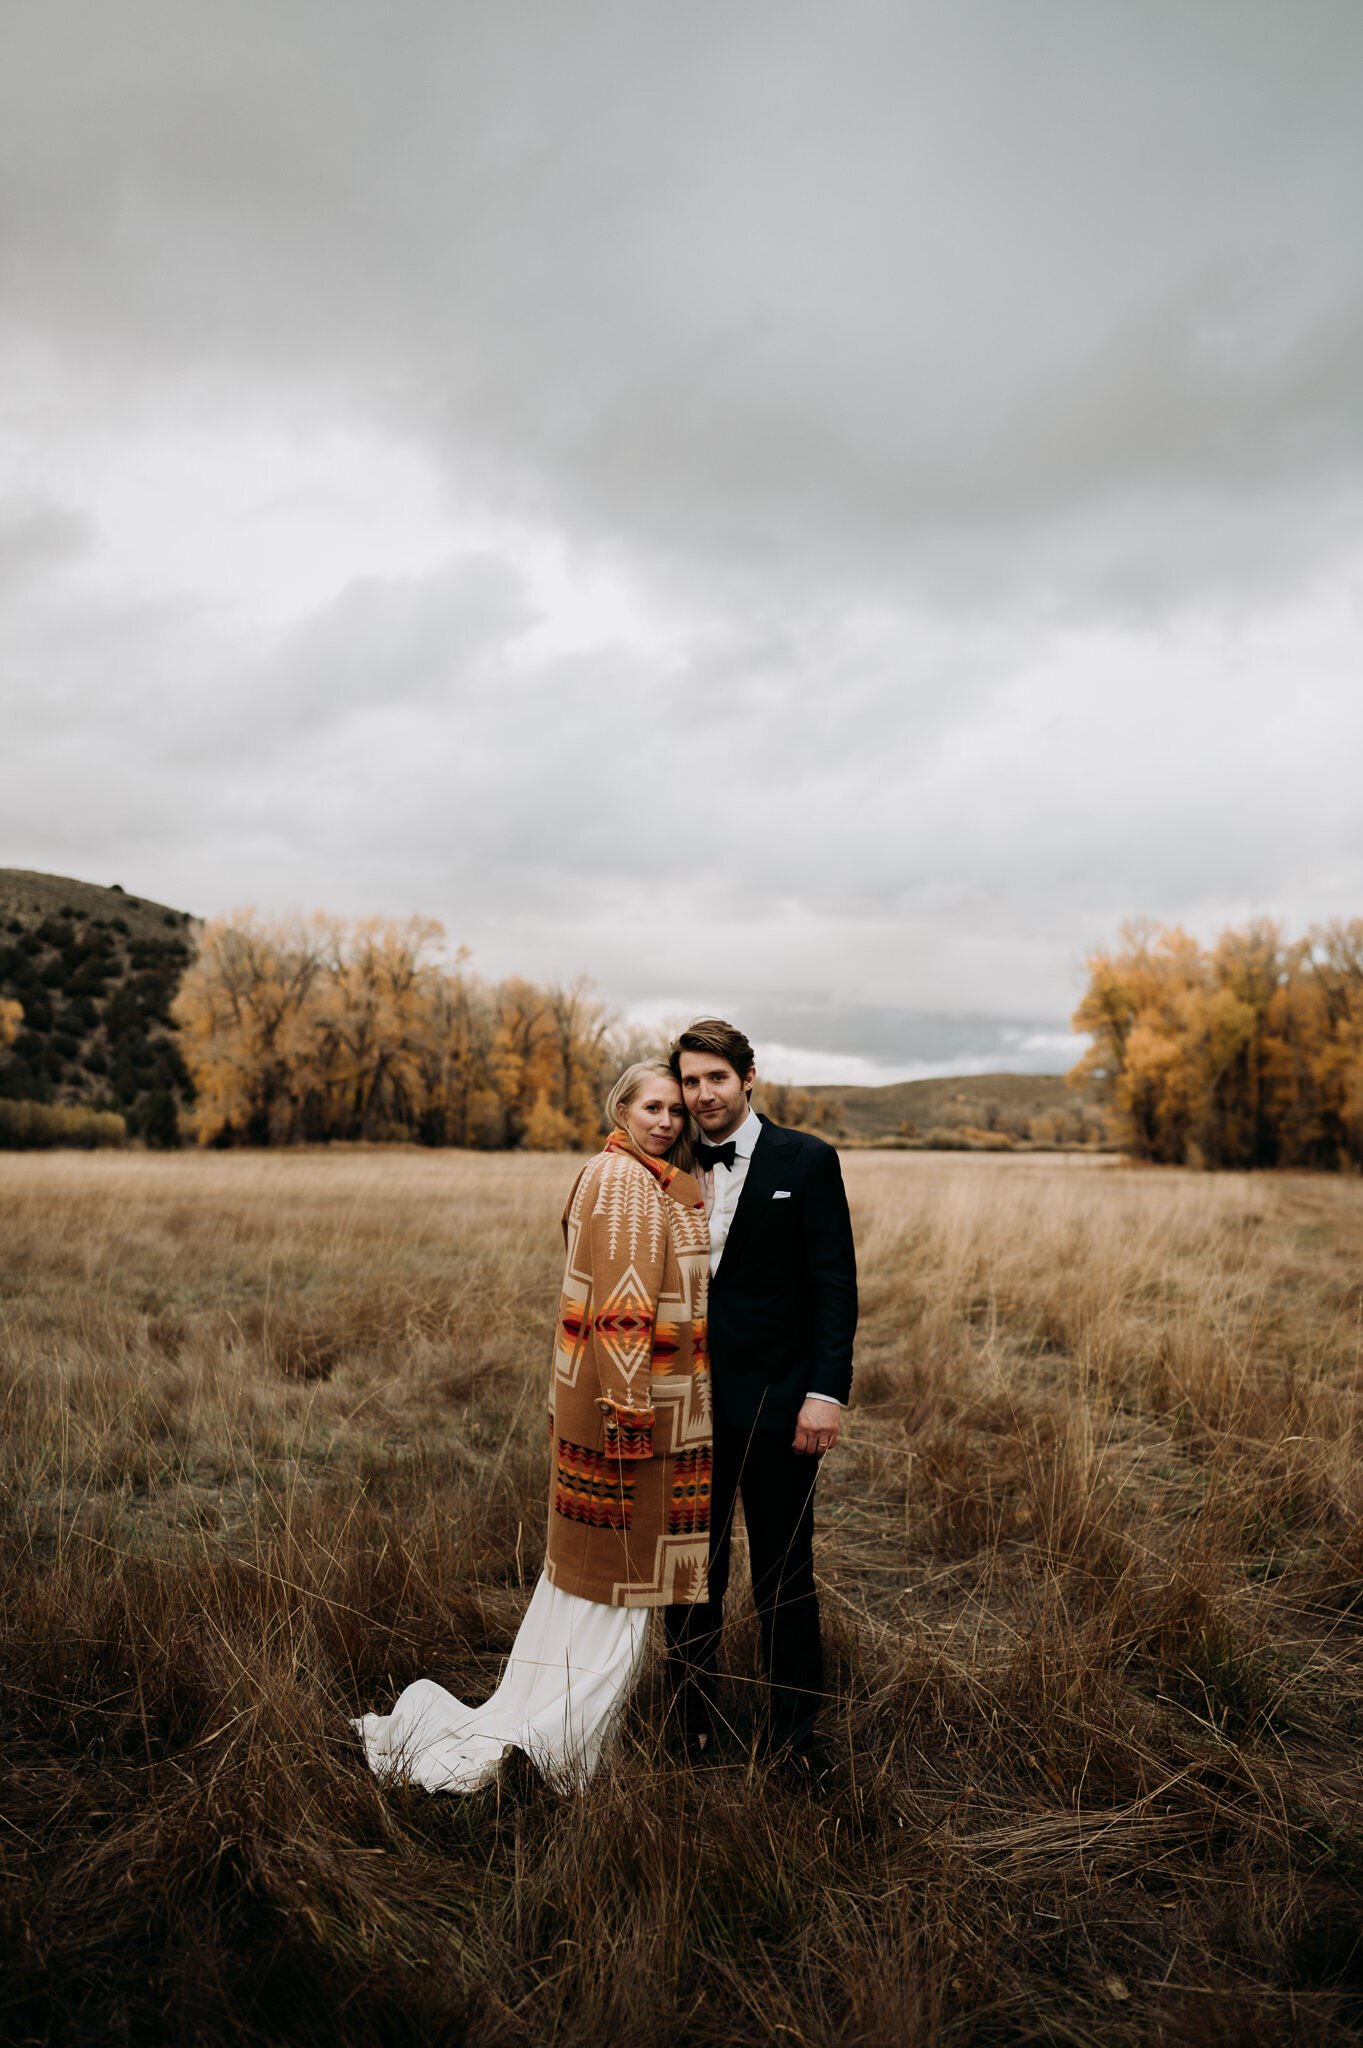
pixel 317 1029
pixel 547 1129
pixel 11 1017
pixel 1247 1054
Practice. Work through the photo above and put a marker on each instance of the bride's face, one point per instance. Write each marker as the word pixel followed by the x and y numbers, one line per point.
pixel 655 1118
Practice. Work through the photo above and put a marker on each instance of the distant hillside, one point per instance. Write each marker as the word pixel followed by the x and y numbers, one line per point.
pixel 1037 1107
pixel 95 970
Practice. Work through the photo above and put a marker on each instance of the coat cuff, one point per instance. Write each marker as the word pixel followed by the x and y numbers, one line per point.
pixel 629 1431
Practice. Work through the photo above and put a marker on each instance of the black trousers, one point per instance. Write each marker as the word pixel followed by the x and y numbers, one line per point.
pixel 776 1486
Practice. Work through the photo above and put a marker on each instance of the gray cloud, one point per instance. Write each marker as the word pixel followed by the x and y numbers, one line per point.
pixel 38 535
pixel 388 642
pixel 893 1038
pixel 916 296
pixel 964 400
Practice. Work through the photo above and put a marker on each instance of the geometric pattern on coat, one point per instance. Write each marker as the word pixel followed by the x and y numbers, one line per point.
pixel 689 1506
pixel 591 1487
pixel 629 1394
pixel 624 1325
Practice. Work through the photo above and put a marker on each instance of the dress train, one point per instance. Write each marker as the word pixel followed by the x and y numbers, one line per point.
pixel 571 1669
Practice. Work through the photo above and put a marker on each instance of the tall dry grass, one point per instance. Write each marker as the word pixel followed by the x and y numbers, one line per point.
pixel 1092 1580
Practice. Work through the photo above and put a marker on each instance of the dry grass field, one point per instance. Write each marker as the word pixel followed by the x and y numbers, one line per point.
pixel 1092 1575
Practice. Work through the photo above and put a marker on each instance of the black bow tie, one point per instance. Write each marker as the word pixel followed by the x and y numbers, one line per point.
pixel 711 1156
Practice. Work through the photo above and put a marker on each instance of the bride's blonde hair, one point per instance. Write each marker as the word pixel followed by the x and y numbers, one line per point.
pixel 680 1152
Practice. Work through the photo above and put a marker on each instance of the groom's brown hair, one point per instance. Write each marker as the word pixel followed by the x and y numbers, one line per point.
pixel 713 1035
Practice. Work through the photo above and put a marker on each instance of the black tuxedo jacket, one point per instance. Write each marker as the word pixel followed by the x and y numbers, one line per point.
pixel 783 1305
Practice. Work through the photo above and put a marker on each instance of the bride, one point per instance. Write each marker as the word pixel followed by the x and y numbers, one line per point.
pixel 629 1498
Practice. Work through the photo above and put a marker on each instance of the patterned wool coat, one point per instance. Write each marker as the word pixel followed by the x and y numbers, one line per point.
pixel 629 1402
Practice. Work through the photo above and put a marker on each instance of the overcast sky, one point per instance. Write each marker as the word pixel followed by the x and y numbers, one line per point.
pixel 817 513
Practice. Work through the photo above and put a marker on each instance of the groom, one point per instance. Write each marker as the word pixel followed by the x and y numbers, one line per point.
pixel 783 1310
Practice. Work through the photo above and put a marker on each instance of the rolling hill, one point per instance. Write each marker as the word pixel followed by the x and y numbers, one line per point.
pixel 95 971
pixel 1037 1107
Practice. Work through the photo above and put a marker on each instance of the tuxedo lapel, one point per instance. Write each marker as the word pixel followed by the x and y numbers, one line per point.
pixel 764 1174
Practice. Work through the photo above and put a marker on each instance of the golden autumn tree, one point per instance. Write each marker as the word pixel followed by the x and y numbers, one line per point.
pixel 372 1007
pixel 1248 967
pixel 246 1014
pixel 454 1050
pixel 1248 1053
pixel 1314 1048
pixel 524 1062
pixel 11 1017
pixel 1131 1011
pixel 1296 1062
pixel 582 1049
pixel 1337 954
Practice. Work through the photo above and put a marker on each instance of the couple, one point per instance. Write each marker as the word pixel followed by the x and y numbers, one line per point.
pixel 703 1354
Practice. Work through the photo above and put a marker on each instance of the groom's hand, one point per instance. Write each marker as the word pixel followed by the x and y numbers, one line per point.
pixel 817 1426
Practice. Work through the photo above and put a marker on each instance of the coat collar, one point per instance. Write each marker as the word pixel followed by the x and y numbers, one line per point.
pixel 674 1182
pixel 773 1135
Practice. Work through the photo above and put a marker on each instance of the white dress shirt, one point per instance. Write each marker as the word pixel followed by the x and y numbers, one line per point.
pixel 722 1186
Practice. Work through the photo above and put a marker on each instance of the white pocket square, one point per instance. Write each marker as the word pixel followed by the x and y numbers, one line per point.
pixel 780 1194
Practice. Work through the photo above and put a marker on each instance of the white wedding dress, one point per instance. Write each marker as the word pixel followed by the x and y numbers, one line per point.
pixel 571 1669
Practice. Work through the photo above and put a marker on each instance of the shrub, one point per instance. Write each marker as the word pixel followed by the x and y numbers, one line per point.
pixel 33 1126
pixel 946 1138
pixel 20 1078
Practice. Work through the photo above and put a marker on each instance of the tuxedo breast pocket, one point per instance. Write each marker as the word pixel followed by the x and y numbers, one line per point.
pixel 780 1194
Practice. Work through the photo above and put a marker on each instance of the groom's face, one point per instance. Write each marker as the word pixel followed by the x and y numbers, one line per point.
pixel 716 1096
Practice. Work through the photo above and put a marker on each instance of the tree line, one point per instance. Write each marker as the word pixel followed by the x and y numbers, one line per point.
pixel 316 1029
pixel 1245 1053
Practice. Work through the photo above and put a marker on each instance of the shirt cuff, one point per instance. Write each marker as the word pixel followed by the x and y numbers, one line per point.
pixel 831 1399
